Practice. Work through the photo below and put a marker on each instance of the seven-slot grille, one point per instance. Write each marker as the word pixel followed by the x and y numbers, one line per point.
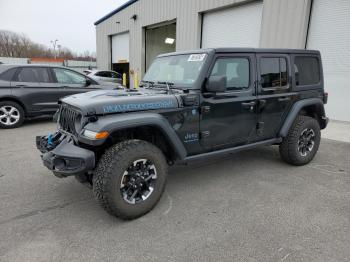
pixel 67 119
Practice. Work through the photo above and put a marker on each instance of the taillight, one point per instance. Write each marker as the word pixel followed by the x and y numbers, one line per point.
pixel 325 97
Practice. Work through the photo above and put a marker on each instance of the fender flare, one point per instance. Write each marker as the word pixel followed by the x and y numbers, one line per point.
pixel 115 122
pixel 295 111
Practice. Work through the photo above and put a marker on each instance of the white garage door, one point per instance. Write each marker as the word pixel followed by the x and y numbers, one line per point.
pixel 233 27
pixel 329 33
pixel 120 48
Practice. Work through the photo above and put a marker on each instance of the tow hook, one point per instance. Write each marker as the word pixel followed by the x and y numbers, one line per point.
pixel 49 142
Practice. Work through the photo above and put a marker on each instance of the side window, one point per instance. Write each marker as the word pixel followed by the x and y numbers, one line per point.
pixel 33 75
pixel 43 75
pixel 273 72
pixel 101 74
pixel 307 70
pixel 236 70
pixel 115 75
pixel 108 74
pixel 8 74
pixel 65 76
pixel 27 74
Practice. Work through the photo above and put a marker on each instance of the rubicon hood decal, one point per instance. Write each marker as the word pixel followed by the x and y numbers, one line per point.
pixel 138 106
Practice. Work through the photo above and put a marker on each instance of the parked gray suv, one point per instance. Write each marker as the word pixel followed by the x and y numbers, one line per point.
pixel 28 91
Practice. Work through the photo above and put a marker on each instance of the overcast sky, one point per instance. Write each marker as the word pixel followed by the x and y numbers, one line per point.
pixel 69 21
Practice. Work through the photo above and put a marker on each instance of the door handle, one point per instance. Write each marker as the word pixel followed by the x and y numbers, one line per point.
pixel 248 104
pixel 282 99
pixel 20 85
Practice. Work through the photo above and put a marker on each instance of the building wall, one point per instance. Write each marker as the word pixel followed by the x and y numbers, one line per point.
pixel 284 24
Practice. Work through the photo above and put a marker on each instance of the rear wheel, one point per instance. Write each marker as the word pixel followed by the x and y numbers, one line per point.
pixel 11 114
pixel 130 178
pixel 302 141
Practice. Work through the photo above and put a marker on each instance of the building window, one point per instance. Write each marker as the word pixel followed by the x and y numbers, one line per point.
pixel 273 72
pixel 236 71
pixel 307 70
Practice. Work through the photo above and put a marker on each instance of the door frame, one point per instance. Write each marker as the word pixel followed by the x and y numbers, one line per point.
pixel 235 96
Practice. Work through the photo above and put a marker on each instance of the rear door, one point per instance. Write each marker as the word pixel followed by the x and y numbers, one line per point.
pixel 274 93
pixel 229 118
pixel 35 87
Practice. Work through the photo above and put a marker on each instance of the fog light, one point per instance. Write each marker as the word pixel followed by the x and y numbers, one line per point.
pixel 95 135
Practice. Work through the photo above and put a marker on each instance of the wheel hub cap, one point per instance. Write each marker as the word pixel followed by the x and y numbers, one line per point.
pixel 9 115
pixel 138 181
pixel 306 141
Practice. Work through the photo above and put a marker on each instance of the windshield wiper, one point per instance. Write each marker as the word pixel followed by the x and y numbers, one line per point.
pixel 167 84
pixel 149 83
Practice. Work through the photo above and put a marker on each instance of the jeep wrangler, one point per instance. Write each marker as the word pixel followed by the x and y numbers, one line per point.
pixel 190 105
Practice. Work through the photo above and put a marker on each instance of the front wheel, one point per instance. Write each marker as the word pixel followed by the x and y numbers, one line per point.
pixel 130 178
pixel 302 142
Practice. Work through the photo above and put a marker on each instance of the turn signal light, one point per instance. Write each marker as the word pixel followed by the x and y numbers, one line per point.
pixel 95 135
pixel 101 135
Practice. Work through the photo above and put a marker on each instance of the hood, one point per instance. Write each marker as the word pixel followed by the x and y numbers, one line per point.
pixel 120 101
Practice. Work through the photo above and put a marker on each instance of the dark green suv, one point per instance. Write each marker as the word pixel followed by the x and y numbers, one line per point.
pixel 191 105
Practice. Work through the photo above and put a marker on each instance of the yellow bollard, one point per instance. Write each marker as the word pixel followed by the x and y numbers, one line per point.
pixel 124 79
pixel 136 81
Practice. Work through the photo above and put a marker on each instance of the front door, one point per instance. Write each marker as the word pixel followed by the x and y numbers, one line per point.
pixel 274 93
pixel 229 118
pixel 72 82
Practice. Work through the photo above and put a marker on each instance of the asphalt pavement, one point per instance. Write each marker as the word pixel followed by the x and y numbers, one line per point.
pixel 248 206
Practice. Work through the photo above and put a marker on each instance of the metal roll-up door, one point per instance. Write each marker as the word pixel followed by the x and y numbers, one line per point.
pixel 233 27
pixel 120 48
pixel 329 33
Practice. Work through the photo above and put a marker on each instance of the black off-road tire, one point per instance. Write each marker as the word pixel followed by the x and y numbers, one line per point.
pixel 109 172
pixel 20 111
pixel 289 146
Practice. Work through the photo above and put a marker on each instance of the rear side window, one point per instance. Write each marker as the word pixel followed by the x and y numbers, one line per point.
pixel 33 75
pixel 8 75
pixel 273 72
pixel 115 75
pixel 307 70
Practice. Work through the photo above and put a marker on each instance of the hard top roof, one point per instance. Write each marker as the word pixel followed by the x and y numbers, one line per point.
pixel 245 50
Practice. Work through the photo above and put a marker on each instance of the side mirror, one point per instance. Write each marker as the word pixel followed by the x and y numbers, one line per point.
pixel 88 82
pixel 216 84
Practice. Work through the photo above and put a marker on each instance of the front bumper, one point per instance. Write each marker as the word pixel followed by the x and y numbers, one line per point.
pixel 66 159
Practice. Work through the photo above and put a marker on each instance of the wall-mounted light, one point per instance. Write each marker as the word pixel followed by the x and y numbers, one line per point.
pixel 134 17
pixel 169 40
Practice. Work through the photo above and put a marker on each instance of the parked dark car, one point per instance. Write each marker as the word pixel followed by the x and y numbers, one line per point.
pixel 28 91
pixel 192 105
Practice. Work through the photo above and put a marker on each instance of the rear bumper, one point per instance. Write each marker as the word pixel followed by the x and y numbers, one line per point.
pixel 67 159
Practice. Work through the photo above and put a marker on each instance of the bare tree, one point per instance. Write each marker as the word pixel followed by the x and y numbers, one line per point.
pixel 18 45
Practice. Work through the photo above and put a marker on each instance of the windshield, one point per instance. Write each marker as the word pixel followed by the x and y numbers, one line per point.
pixel 177 69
